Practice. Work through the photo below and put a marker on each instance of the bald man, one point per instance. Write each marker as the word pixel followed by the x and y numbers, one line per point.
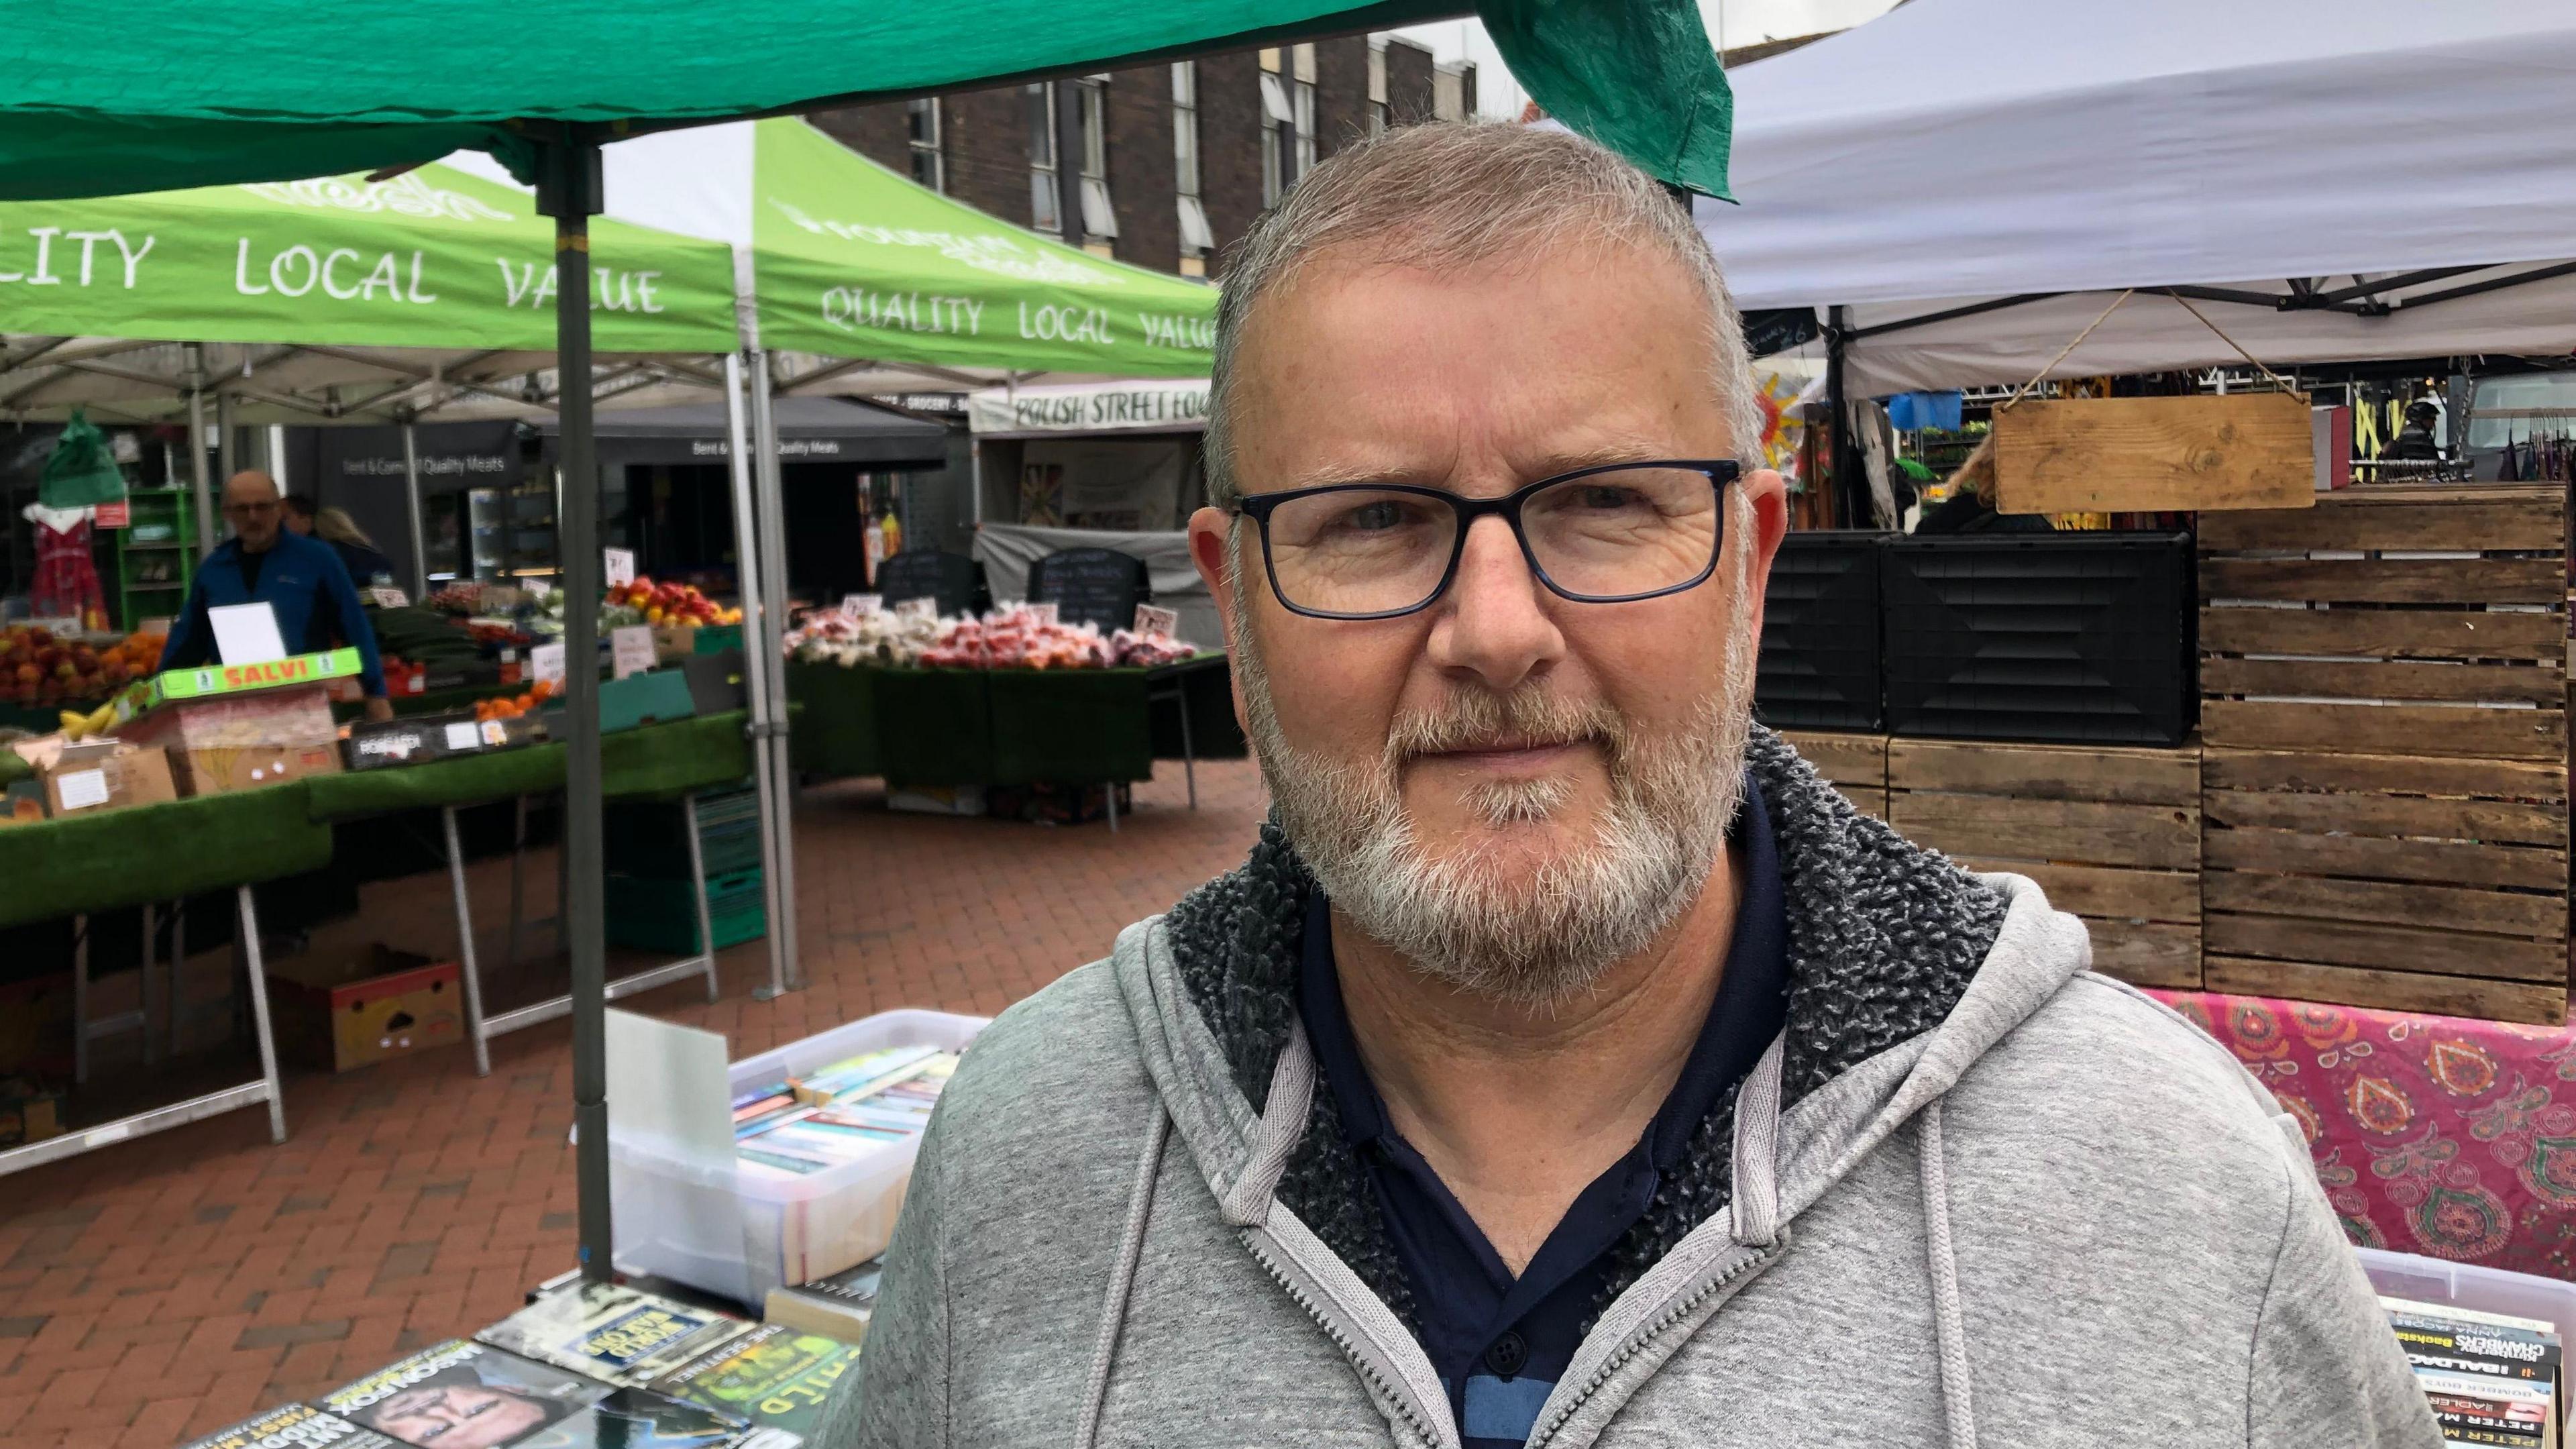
pixel 301 578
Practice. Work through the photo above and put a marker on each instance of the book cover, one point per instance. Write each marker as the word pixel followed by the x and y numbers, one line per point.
pixel 776 1377
pixel 859 1073
pixel 297 1426
pixel 641 1419
pixel 461 1395
pixel 610 1331
pixel 838 1306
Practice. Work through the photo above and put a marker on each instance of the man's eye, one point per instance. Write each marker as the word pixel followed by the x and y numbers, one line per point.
pixel 1373 516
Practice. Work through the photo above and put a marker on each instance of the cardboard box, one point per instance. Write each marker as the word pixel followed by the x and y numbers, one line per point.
pixel 435 737
pixel 28 1113
pixel 348 1012
pixel 108 775
pixel 674 642
pixel 23 803
pixel 236 741
pixel 217 768
pixel 213 680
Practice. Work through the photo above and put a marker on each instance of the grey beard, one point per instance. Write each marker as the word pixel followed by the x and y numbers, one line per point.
pixel 1528 942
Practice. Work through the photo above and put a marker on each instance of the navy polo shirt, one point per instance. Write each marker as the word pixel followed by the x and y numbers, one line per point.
pixel 1498 1343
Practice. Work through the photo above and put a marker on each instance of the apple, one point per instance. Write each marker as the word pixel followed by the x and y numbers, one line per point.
pixel 65 669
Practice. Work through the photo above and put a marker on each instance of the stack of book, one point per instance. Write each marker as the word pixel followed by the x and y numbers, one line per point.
pixel 2491 1378
pixel 600 1366
pixel 847 1112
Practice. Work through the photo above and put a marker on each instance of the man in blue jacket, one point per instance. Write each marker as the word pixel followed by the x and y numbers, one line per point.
pixel 301 578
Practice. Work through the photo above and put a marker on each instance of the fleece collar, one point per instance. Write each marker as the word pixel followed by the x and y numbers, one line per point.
pixel 1884 938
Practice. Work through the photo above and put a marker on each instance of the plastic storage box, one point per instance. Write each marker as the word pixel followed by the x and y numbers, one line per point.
pixel 2466 1285
pixel 737 1235
pixel 1820 665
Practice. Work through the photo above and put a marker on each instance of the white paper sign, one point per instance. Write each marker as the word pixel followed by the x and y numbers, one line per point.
pixel 246 633
pixel 462 736
pixel 857 605
pixel 1156 623
pixel 59 628
pixel 81 789
pixel 919 608
pixel 547 662
pixel 388 598
pixel 1046 613
pixel 619 566
pixel 538 589
pixel 631 649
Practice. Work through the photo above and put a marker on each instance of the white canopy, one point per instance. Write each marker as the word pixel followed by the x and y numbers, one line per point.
pixel 2359 158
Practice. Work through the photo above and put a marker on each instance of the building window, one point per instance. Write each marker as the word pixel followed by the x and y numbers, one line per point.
pixel 1099 218
pixel 1377 89
pixel 1301 99
pixel 929 164
pixel 1040 100
pixel 1196 238
pixel 1452 90
pixel 1278 131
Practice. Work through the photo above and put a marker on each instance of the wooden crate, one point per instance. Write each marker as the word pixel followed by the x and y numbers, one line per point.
pixel 2111 833
pixel 1856 764
pixel 2416 621
pixel 2401 882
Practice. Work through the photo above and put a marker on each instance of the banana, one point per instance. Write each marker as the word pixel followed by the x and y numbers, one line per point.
pixel 74 725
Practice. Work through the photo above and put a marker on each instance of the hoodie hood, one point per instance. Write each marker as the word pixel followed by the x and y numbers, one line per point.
pixel 1887 941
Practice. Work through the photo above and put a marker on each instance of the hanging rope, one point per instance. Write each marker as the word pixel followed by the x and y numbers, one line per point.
pixel 2063 351
pixel 2278 380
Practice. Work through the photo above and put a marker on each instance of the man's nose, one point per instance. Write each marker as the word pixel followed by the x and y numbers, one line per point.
pixel 1494 623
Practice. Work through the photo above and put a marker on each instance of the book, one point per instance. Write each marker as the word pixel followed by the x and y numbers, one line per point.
pixel 297 1426
pixel 610 1331
pixel 838 1306
pixel 642 1419
pixel 859 1073
pixel 778 1378
pixel 461 1395
pixel 2490 1379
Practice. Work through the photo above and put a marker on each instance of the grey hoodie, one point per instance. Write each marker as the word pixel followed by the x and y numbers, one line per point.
pixel 1972 1196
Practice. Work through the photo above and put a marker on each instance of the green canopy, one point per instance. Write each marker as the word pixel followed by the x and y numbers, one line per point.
pixel 851 260
pixel 161 93
pixel 434 258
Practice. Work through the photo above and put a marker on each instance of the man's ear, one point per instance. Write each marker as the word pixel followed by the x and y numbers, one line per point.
pixel 1212 550
pixel 1769 496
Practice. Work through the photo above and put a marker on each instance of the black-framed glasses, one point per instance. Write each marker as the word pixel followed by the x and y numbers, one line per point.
pixel 1604 535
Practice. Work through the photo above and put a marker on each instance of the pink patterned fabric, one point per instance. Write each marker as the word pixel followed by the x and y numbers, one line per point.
pixel 2433 1134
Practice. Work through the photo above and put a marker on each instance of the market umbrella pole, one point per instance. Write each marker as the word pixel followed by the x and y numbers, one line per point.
pixel 197 451
pixel 760 654
pixel 772 507
pixel 411 502
pixel 568 189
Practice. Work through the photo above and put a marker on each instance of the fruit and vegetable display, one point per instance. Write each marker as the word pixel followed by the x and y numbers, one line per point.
pixel 511 708
pixel 667 604
pixel 38 668
pixel 1017 637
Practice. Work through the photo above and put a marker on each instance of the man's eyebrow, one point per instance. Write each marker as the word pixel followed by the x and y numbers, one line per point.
pixel 1564 461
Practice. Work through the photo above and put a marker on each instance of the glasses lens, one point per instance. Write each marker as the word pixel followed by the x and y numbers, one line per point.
pixel 1623 533
pixel 1360 550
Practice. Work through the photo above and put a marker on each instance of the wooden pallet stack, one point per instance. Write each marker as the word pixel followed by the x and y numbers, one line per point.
pixel 1854 764
pixel 2111 833
pixel 2385 765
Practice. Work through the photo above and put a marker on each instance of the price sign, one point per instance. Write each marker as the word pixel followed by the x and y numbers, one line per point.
pixel 1045 613
pixel 547 661
pixel 631 649
pixel 619 564
pixel 1155 623
pixel 388 598
pixel 538 589
pixel 854 606
pixel 114 515
pixel 919 608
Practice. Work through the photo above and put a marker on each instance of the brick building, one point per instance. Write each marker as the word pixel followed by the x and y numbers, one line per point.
pixel 1176 159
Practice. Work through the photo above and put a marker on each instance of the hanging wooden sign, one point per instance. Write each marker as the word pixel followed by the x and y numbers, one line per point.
pixel 2155 454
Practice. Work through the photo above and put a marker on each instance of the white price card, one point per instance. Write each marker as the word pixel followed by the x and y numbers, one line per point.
pixel 462 736
pixel 1046 613
pixel 855 606
pixel 538 589
pixel 388 598
pixel 919 608
pixel 631 649
pixel 246 633
pixel 619 565
pixel 81 789
pixel 547 662
pixel 1156 623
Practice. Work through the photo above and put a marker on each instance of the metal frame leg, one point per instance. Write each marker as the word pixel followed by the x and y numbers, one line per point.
pixel 698 887
pixel 465 944
pixel 1109 794
pixel 259 1011
pixel 80 999
pixel 151 949
pixel 518 881
pixel 178 968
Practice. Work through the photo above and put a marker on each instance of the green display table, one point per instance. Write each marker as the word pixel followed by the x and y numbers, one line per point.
pixel 837 736
pixel 83 863
pixel 934 726
pixel 1068 726
pixel 653 761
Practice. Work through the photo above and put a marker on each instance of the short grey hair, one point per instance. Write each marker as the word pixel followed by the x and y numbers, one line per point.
pixel 1448 195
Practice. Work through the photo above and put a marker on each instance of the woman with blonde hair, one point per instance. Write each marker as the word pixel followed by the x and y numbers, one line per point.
pixel 366 563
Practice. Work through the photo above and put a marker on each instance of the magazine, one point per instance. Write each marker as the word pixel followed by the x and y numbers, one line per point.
pixel 776 1377
pixel 624 1335
pixel 640 1419
pixel 460 1395
pixel 297 1426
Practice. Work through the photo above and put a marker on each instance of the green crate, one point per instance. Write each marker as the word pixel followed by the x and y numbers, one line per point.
pixel 646 913
pixel 649 838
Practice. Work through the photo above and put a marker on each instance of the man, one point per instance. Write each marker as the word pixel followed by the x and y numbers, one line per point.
pixel 457 1410
pixel 1570 1065
pixel 301 578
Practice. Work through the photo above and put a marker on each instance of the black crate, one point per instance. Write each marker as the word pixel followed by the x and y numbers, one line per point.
pixel 2068 637
pixel 1820 624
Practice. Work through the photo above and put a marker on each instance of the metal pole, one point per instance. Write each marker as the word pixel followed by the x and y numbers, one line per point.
pixel 773 584
pixel 471 969
pixel 975 476
pixel 1849 487
pixel 569 191
pixel 411 500
pixel 257 966
pixel 197 450
pixel 1070 152
pixel 226 450
pixel 760 656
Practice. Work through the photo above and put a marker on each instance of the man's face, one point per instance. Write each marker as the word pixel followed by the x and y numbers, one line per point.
pixel 1504 748
pixel 251 506
pixel 456 1416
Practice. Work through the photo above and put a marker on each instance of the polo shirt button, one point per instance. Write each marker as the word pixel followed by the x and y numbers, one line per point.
pixel 1507 1355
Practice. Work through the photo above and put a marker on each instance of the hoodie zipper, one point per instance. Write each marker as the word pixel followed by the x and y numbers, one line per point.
pixel 1388 1390
pixel 1679 1309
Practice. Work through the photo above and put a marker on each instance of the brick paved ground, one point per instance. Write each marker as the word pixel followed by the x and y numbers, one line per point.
pixel 165 1287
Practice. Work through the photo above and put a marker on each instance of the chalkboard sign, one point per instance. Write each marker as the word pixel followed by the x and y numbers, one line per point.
pixel 951 580
pixel 1098 586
